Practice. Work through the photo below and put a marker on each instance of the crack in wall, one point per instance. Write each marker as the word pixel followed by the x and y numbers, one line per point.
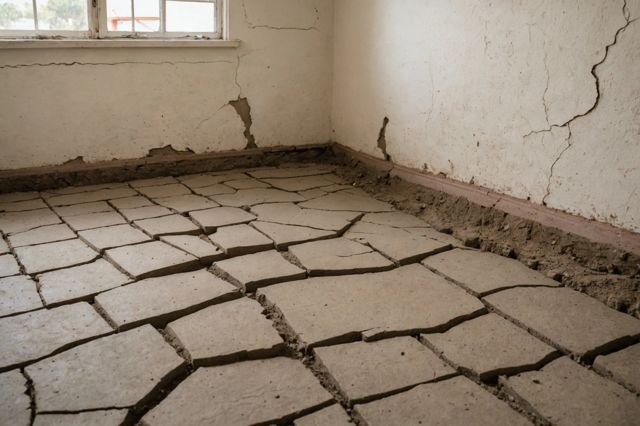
pixel 242 107
pixel 628 21
pixel 382 139
pixel 276 28
pixel 108 64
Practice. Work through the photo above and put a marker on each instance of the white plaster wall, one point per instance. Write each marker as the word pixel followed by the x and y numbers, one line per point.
pixel 103 104
pixel 500 94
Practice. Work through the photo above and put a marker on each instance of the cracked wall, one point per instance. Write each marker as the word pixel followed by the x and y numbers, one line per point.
pixel 104 104
pixel 538 100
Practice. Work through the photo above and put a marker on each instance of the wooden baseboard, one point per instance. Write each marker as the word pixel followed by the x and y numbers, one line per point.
pixel 590 229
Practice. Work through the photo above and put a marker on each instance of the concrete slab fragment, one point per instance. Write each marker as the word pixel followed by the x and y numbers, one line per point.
pixel 186 203
pixel 168 225
pixel 310 194
pixel 4 248
pixel 161 300
pixel 333 309
pixel 20 206
pixel 300 183
pixel 201 181
pixel 44 234
pixel 131 202
pixel 453 402
pixel 196 246
pixel 240 239
pixel 151 259
pixel 90 197
pixel 50 256
pixel 272 391
pixel 435 235
pixel 94 220
pixel 247 183
pixel 622 366
pixel 164 191
pixel 395 219
pixel 117 371
pixel 484 273
pixel 80 282
pixel 260 269
pixel 147 212
pixel 93 418
pixel 217 189
pixel 14 222
pixel 13 197
pixel 18 294
pixel 228 332
pixel 210 220
pixel 572 321
pixel 291 214
pixel 346 201
pixel 87 208
pixel 366 371
pixel 15 404
pixel 113 236
pixel 489 346
pixel 68 190
pixel 291 172
pixel 566 393
pixel 34 335
pixel 252 197
pixel 285 235
pixel 395 243
pixel 158 181
pixel 333 415
pixel 339 256
pixel 8 266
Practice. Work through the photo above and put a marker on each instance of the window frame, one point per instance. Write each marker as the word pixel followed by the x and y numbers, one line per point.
pixel 98 25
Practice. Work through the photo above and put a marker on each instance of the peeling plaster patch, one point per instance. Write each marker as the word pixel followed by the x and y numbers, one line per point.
pixel 268 6
pixel 382 139
pixel 166 151
pixel 242 107
pixel 77 160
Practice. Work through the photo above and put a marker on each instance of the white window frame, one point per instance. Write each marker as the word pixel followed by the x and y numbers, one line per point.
pixel 98 25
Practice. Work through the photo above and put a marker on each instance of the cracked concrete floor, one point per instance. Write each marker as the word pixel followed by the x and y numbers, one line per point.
pixel 284 296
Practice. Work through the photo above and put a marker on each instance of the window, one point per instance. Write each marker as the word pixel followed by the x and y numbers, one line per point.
pixel 111 18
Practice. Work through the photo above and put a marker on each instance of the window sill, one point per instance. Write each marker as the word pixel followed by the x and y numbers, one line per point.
pixel 112 43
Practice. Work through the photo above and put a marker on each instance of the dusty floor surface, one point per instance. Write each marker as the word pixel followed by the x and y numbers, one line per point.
pixel 290 296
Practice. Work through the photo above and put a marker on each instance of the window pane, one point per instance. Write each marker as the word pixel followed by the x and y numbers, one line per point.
pixel 70 15
pixel 147 15
pixel 16 15
pixel 119 15
pixel 190 17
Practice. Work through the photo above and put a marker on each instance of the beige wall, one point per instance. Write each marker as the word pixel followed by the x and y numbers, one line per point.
pixel 500 94
pixel 101 104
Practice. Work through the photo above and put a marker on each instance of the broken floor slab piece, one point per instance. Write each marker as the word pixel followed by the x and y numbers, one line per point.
pixel 347 201
pixel 489 346
pixel 333 309
pixel 151 259
pixel 68 190
pixel 4 248
pixel 164 191
pixel 13 197
pixel 565 393
pixel 454 402
pixel 300 183
pixel 15 404
pixel 395 219
pixel 87 208
pixel 286 235
pixel 212 219
pixel 50 256
pixel 397 244
pixel 196 246
pixel 260 269
pixel 227 332
pixel 252 392
pixel 80 282
pixel 118 371
pixel 94 220
pixel 158 181
pixel 339 256
pixel 291 172
pixel 251 197
pixel 201 181
pixel 370 370
pixel 93 418
pixel 572 321
pixel 160 300
pixel 291 214
pixel 11 223
pixel 622 366
pixel 113 236
pixel 8 266
pixel 34 335
pixel 21 206
pixel 186 203
pixel 131 202
pixel 90 197
pixel 240 239
pixel 146 212
pixel 246 183
pixel 435 235
pixel 217 189
pixel 333 415
pixel 41 235
pixel 484 273
pixel 168 225
pixel 310 194
pixel 18 294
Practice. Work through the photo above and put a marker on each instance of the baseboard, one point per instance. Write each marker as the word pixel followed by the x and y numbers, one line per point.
pixel 590 229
